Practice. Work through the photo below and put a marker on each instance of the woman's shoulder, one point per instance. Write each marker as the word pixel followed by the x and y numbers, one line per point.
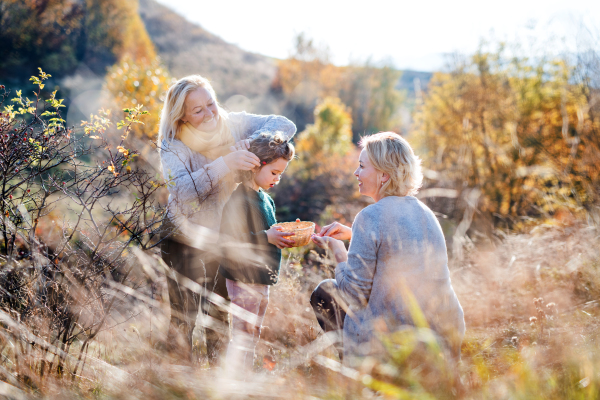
pixel 236 115
pixel 393 205
pixel 236 118
pixel 405 207
pixel 401 203
pixel 390 202
pixel 369 215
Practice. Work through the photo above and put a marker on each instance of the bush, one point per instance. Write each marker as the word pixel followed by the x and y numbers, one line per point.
pixel 322 174
pixel 145 81
pixel 59 35
pixel 63 237
pixel 522 133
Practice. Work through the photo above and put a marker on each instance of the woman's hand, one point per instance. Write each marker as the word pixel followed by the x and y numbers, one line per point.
pixel 241 145
pixel 336 231
pixel 278 238
pixel 241 160
pixel 336 246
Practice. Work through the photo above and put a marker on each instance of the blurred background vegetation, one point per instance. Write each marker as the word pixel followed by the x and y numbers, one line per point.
pixel 510 146
pixel 521 133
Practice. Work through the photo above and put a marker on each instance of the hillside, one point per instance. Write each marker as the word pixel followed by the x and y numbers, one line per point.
pixel 187 48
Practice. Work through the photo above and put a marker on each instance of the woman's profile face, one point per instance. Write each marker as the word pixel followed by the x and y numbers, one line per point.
pixel 368 177
pixel 201 110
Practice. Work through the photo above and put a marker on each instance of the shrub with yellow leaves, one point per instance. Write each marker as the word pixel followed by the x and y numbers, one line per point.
pixel 520 133
pixel 139 83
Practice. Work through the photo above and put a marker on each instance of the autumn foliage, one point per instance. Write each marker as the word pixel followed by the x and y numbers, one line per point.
pixel 58 35
pixel 521 132
pixel 144 82
pixel 369 91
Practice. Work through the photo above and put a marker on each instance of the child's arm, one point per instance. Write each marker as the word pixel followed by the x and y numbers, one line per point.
pixel 276 236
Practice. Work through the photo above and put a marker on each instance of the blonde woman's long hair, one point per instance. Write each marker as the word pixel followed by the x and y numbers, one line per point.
pixel 391 153
pixel 174 105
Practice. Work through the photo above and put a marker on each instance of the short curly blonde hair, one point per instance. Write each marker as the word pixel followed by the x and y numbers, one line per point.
pixel 390 153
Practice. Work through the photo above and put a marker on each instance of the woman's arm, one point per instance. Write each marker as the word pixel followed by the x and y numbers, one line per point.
pixel 189 185
pixel 355 276
pixel 252 124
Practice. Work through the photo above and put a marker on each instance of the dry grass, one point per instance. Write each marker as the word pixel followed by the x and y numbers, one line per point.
pixel 505 355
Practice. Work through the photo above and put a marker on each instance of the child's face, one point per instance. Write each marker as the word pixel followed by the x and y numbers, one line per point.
pixel 270 174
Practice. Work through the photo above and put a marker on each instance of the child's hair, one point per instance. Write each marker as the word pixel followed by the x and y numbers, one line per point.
pixel 268 147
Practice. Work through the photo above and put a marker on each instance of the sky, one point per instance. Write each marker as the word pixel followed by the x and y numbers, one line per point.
pixel 413 34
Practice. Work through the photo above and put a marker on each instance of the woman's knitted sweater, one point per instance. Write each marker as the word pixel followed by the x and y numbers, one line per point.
pixel 397 268
pixel 196 197
pixel 247 254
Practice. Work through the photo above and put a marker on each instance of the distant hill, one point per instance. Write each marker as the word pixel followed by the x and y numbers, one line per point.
pixel 187 48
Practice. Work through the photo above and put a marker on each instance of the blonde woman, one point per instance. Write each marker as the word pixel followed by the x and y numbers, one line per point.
pixel 397 252
pixel 201 146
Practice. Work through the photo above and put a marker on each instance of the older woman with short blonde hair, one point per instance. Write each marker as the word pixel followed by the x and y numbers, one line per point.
pixel 397 252
pixel 201 148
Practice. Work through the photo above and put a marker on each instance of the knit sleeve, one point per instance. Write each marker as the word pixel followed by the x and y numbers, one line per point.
pixel 248 125
pixel 355 276
pixel 187 185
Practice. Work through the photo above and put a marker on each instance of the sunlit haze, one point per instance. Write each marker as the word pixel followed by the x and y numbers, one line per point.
pixel 413 35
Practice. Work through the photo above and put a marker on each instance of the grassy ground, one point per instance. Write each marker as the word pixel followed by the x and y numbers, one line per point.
pixel 514 348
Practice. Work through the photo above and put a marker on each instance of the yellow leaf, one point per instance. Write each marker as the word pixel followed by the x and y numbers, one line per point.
pixel 123 150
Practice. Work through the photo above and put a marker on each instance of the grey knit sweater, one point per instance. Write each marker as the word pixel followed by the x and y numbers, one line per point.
pixel 196 195
pixel 397 248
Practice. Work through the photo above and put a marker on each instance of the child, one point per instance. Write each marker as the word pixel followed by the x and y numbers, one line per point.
pixel 252 249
